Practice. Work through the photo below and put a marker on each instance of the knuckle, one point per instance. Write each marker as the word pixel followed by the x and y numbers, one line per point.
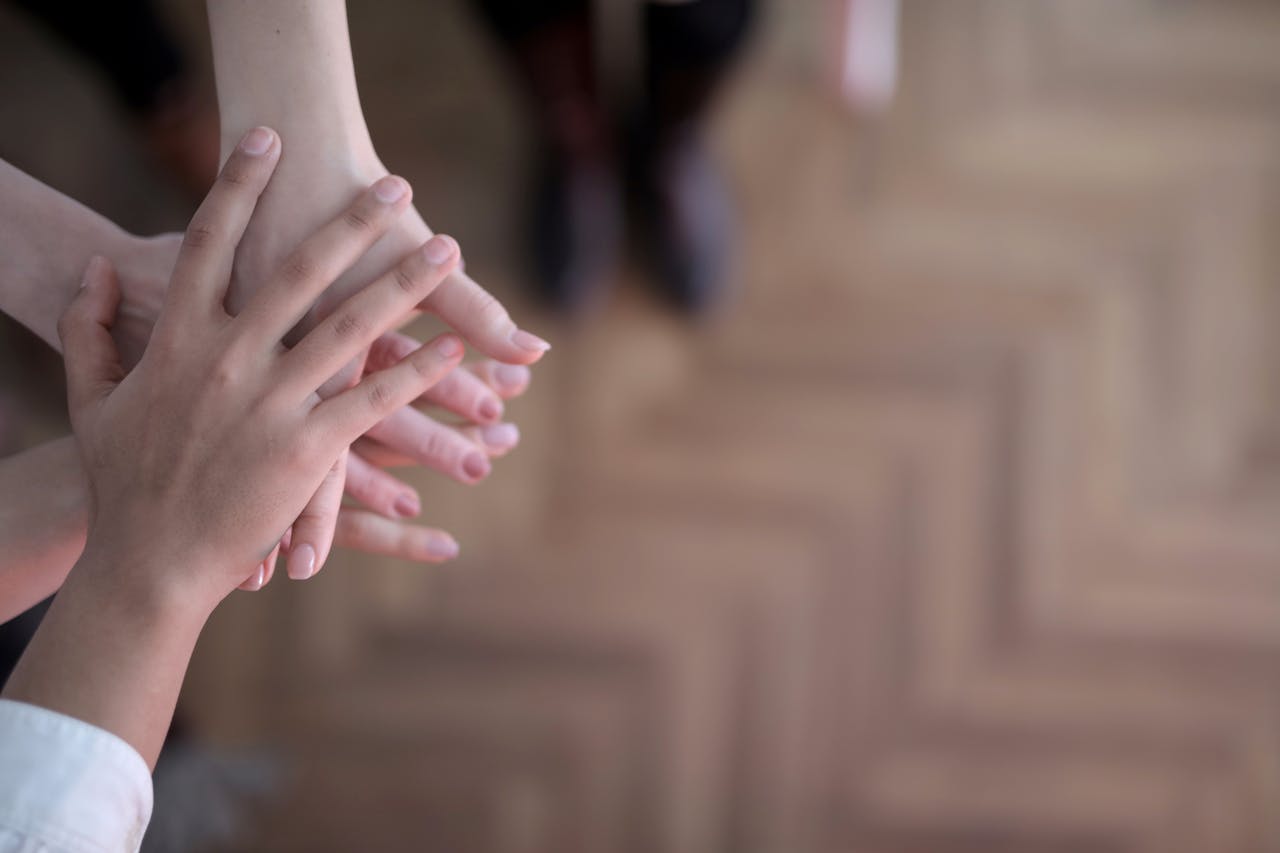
pixel 199 235
pixel 405 277
pixel 224 372
pixel 366 486
pixel 435 447
pixel 298 268
pixel 302 449
pixel 358 218
pixel 165 339
pixel 236 173
pixel 347 324
pixel 381 396
pixel 481 303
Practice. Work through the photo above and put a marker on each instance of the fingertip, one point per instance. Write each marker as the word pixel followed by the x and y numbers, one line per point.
pixel 99 275
pixel 529 343
pixel 258 141
pixel 407 505
pixel 511 378
pixel 440 249
pixel 392 189
pixel 441 547
pixel 302 562
pixel 255 581
pixel 500 438
pixel 489 409
pixel 476 466
pixel 448 346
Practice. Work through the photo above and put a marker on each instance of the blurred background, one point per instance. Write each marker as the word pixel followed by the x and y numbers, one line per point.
pixel 928 500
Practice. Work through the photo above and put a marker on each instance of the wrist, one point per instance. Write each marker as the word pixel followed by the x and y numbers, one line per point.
pixel 286 65
pixel 331 135
pixel 111 652
pixel 151 588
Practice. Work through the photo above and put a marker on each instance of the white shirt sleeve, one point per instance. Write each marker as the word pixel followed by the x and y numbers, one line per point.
pixel 67 786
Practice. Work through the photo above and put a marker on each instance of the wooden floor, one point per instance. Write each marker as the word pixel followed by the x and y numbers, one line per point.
pixel 959 532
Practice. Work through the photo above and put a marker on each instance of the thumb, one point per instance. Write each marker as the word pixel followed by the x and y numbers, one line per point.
pixel 89 353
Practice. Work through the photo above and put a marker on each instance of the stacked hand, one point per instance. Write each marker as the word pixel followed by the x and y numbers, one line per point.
pixel 474 393
pixel 168 441
pixel 200 459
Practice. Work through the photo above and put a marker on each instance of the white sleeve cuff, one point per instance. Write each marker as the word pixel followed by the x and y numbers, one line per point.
pixel 68 786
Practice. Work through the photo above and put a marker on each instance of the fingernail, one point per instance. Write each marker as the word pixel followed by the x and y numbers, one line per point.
pixel 511 375
pixel 407 506
pixel 449 347
pixel 439 249
pixel 442 548
pixel 259 578
pixel 490 408
pixel 501 436
pixel 390 189
pixel 257 141
pixel 302 562
pixel 528 341
pixel 475 466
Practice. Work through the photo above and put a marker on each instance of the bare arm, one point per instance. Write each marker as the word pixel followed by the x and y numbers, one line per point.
pixel 43 508
pixel 288 61
pixel 287 64
pixel 46 239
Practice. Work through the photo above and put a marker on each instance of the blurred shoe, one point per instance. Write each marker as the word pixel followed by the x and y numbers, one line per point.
pixel 576 202
pixel 687 220
pixel 576 230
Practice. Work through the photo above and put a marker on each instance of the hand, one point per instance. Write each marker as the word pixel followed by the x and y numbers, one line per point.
pixel 201 457
pixel 143 266
pixel 316 180
pixel 474 393
pixel 462 391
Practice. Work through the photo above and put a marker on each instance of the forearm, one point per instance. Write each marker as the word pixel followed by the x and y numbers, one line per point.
pixel 46 240
pixel 42 523
pixel 287 64
pixel 111 655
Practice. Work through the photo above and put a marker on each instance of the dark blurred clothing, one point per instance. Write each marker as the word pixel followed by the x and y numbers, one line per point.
pixel 125 39
pixel 683 203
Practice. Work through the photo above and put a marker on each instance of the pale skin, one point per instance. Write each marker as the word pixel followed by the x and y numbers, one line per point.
pixel 288 64
pixel 44 517
pixel 201 457
pixel 46 239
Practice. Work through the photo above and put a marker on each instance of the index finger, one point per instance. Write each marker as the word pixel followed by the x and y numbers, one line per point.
pixel 203 269
pixel 482 320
